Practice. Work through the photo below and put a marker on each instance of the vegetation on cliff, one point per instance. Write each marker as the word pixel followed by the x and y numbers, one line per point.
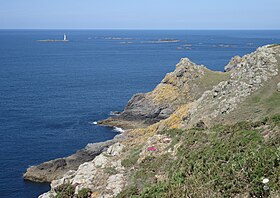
pixel 216 135
pixel 223 161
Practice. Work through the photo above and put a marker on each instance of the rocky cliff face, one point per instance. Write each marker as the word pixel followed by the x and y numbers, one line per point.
pixel 56 169
pixel 186 84
pixel 104 174
pixel 191 96
pixel 251 73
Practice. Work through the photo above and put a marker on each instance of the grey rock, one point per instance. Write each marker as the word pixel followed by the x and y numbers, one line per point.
pixel 145 109
pixel 250 73
pixel 55 169
pixel 201 125
pixel 235 61
pixel 247 75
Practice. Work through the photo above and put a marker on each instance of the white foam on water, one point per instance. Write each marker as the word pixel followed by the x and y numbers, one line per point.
pixel 113 113
pixel 94 123
pixel 118 129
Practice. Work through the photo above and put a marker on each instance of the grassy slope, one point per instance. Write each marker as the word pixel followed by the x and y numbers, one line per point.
pixel 264 102
pixel 223 161
pixel 228 160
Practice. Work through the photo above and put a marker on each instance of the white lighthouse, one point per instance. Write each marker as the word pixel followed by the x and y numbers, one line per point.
pixel 52 40
pixel 65 38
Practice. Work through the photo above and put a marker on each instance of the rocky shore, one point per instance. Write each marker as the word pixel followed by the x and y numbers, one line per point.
pixel 191 97
pixel 56 169
pixel 186 84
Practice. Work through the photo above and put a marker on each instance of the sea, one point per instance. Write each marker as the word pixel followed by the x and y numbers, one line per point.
pixel 51 93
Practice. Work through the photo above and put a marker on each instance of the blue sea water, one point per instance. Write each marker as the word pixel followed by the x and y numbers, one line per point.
pixel 50 93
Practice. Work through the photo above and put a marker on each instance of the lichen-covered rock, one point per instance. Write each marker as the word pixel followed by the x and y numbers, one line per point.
pixel 233 63
pixel 104 175
pixel 186 84
pixel 115 183
pixel 55 169
pixel 198 101
pixel 249 75
pixel 115 149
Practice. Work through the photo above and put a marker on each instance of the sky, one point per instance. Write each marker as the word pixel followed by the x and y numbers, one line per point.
pixel 139 14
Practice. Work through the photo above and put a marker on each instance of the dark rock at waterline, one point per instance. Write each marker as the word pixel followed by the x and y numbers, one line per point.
pixel 186 84
pixel 55 169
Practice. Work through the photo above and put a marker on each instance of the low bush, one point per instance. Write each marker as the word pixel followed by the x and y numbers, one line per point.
pixel 65 191
pixel 224 161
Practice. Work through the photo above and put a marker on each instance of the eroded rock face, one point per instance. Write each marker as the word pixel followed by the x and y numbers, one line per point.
pixel 115 183
pixel 55 169
pixel 249 75
pixel 187 83
pixel 234 62
pixel 104 175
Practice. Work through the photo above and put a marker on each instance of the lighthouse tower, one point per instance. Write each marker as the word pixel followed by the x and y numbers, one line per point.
pixel 65 38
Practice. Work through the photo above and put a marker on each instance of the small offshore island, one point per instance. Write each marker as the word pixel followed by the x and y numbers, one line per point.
pixel 51 40
pixel 199 133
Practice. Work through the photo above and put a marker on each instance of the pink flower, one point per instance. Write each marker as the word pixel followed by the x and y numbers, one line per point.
pixel 152 148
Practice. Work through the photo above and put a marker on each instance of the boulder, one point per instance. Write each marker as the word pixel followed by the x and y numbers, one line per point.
pixel 233 63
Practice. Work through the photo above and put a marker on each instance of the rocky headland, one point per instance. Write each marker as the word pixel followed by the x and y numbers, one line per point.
pixel 56 169
pixel 198 133
pixel 186 84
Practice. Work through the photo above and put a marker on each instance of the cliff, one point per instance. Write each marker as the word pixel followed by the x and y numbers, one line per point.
pixel 198 133
pixel 186 84
pixel 56 169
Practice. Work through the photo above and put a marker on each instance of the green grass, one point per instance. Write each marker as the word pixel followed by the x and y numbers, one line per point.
pixel 263 102
pixel 132 158
pixel 273 102
pixel 212 78
pixel 110 170
pixel 84 193
pixel 224 161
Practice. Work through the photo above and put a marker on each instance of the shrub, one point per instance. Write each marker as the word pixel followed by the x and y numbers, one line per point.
pixel 65 191
pixel 84 193
pixel 224 161
pixel 132 158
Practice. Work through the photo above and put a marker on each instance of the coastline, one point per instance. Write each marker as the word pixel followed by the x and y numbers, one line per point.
pixel 205 108
pixel 55 169
pixel 141 111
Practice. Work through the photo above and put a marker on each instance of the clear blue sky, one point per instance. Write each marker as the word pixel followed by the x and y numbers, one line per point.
pixel 140 14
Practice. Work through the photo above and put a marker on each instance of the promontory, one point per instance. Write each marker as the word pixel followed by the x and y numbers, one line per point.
pixel 199 133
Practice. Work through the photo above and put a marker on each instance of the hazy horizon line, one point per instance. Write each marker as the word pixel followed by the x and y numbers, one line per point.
pixel 143 29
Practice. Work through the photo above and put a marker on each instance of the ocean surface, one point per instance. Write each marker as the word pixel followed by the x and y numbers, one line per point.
pixel 51 93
